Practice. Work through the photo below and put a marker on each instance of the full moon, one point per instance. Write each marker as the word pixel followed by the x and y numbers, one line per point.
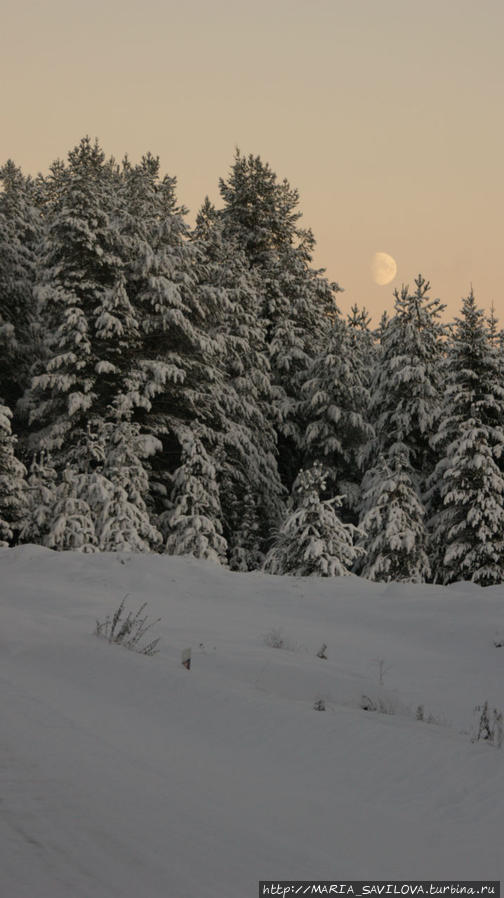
pixel 383 268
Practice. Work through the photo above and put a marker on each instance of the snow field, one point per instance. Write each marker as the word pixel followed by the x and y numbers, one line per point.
pixel 124 775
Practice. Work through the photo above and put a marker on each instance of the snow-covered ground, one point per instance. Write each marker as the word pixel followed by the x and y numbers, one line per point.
pixel 125 775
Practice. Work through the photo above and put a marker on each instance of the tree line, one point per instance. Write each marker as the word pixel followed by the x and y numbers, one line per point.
pixel 198 390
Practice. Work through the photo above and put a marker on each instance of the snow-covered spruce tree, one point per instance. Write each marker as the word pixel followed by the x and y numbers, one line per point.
pixel 313 541
pixel 242 424
pixel 195 526
pixel 334 405
pixel 92 378
pixel 395 538
pixel 70 526
pixel 246 542
pixel 41 498
pixel 20 235
pixel 302 309
pixel 117 343
pixel 494 333
pixel 13 501
pixel 178 374
pixel 122 520
pixel 297 302
pixel 407 387
pixel 496 338
pixel 467 525
pixel 87 318
pixel 474 507
pixel 110 477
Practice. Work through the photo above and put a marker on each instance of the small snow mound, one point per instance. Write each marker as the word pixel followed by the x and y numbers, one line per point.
pixel 468 588
pixel 413 591
pixel 25 553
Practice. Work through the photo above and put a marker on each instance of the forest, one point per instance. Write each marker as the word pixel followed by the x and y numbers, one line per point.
pixel 198 391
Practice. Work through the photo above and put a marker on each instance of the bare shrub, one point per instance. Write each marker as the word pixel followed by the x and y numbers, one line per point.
pixel 420 714
pixel 128 629
pixel 489 726
pixel 367 704
pixel 275 639
pixel 379 705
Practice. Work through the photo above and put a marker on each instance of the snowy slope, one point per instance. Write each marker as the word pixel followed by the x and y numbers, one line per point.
pixel 124 775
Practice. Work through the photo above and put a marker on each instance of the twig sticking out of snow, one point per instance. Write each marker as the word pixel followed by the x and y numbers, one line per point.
pixel 128 629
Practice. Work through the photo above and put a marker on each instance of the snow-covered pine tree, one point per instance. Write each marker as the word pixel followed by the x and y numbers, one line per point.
pixel 13 501
pixel 363 342
pixel 395 538
pixel 383 323
pixel 195 524
pixel 467 525
pixel 262 215
pixel 407 387
pixel 313 540
pixel 335 403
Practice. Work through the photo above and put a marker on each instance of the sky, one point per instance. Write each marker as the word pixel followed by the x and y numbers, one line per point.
pixel 386 115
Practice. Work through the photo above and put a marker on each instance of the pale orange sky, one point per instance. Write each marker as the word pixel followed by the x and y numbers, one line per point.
pixel 387 115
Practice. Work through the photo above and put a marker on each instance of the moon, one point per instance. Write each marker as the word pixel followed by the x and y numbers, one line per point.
pixel 383 268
